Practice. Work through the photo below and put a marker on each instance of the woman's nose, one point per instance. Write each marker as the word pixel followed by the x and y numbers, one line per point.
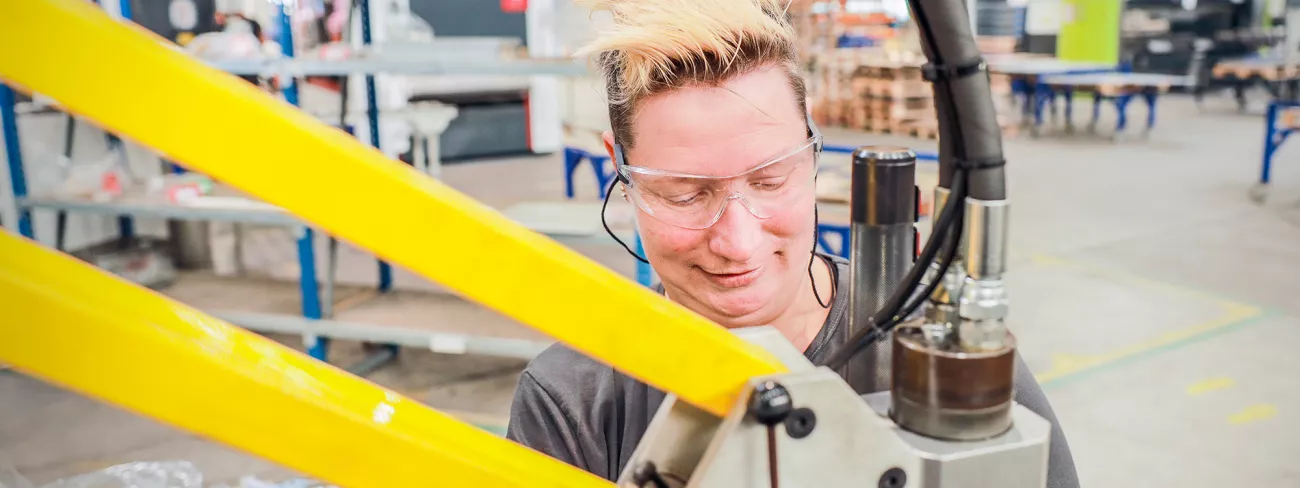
pixel 737 233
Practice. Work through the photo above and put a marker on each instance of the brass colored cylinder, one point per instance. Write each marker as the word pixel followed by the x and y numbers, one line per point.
pixel 943 392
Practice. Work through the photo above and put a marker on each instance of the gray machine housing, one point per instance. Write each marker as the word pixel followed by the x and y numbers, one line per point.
pixel 853 444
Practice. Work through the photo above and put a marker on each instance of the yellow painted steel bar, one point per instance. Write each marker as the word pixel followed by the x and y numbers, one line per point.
pixel 135 84
pixel 80 327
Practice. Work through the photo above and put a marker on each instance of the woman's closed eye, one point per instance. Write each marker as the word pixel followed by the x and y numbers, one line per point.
pixel 685 199
pixel 769 183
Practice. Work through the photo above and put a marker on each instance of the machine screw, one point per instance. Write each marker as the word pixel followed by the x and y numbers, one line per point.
pixel 771 403
pixel 646 474
pixel 893 478
pixel 801 422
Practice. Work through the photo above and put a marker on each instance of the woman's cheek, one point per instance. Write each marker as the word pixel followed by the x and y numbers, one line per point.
pixel 667 241
pixel 791 223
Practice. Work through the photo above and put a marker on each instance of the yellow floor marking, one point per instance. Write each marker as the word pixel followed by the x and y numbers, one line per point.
pixel 1253 413
pixel 1210 385
pixel 1068 364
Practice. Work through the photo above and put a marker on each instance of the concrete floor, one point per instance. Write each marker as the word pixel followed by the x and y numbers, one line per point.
pixel 1154 301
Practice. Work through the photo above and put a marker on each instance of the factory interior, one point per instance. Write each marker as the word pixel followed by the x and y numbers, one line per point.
pixel 1152 264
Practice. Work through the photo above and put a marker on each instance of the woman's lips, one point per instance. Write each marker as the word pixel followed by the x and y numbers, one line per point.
pixel 734 279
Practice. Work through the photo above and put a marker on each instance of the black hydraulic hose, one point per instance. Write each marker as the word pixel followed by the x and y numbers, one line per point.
pixel 968 125
pixel 893 310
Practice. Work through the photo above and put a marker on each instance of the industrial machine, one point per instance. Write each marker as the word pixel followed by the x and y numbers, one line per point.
pixel 763 416
pixel 948 418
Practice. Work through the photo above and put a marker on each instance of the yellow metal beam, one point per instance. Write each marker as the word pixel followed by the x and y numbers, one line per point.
pixel 80 327
pixel 139 86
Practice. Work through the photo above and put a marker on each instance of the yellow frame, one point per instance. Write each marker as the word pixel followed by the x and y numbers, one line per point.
pixel 138 85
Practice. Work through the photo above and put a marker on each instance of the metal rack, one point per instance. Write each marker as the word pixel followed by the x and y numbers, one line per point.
pixel 315 321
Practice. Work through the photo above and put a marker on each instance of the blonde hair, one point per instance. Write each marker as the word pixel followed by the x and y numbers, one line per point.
pixel 657 46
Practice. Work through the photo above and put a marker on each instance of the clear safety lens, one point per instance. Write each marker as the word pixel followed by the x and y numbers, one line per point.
pixel 697 202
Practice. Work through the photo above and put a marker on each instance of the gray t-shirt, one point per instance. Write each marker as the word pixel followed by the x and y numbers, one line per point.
pixel 585 413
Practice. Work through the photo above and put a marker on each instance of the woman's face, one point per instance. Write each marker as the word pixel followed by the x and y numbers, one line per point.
pixel 743 270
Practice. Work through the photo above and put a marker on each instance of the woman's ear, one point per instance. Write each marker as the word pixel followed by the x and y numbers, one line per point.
pixel 608 137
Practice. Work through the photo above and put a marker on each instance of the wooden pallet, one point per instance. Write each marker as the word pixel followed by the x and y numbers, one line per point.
pixel 923 131
pixel 1249 69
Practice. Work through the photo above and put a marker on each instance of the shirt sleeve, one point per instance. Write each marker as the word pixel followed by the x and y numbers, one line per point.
pixel 1060 463
pixel 538 421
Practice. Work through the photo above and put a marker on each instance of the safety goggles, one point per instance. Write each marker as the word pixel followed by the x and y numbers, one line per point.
pixel 697 202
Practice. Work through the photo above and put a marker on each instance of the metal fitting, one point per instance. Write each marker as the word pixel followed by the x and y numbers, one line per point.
pixel 982 335
pixel 985 242
pixel 940 332
pixel 983 299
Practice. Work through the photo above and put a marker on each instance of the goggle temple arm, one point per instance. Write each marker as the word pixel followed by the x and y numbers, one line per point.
pixel 619 162
pixel 813 132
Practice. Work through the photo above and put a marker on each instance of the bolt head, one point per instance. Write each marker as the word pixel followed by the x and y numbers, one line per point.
pixel 770 403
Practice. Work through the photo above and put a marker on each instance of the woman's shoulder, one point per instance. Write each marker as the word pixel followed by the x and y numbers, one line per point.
pixel 559 366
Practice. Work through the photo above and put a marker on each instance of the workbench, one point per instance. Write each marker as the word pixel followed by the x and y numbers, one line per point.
pixel 1278 75
pixel 1118 88
pixel 1026 73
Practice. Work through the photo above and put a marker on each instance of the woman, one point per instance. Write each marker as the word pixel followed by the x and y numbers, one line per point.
pixel 712 143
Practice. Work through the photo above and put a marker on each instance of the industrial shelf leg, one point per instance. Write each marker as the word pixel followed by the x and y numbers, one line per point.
pixel 125 223
pixel 1273 139
pixel 317 347
pixel 1068 94
pixel 1042 95
pixel 1096 112
pixel 14 153
pixel 1121 109
pixel 1270 143
pixel 387 352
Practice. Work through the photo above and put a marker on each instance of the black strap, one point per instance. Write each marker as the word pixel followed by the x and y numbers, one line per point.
pixel 980 164
pixel 936 72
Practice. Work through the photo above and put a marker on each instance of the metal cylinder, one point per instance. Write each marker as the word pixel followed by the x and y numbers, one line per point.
pixel 943 391
pixel 986 238
pixel 883 209
pixel 940 199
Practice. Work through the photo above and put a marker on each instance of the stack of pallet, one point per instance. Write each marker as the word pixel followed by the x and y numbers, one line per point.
pixel 839 88
pixel 890 97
